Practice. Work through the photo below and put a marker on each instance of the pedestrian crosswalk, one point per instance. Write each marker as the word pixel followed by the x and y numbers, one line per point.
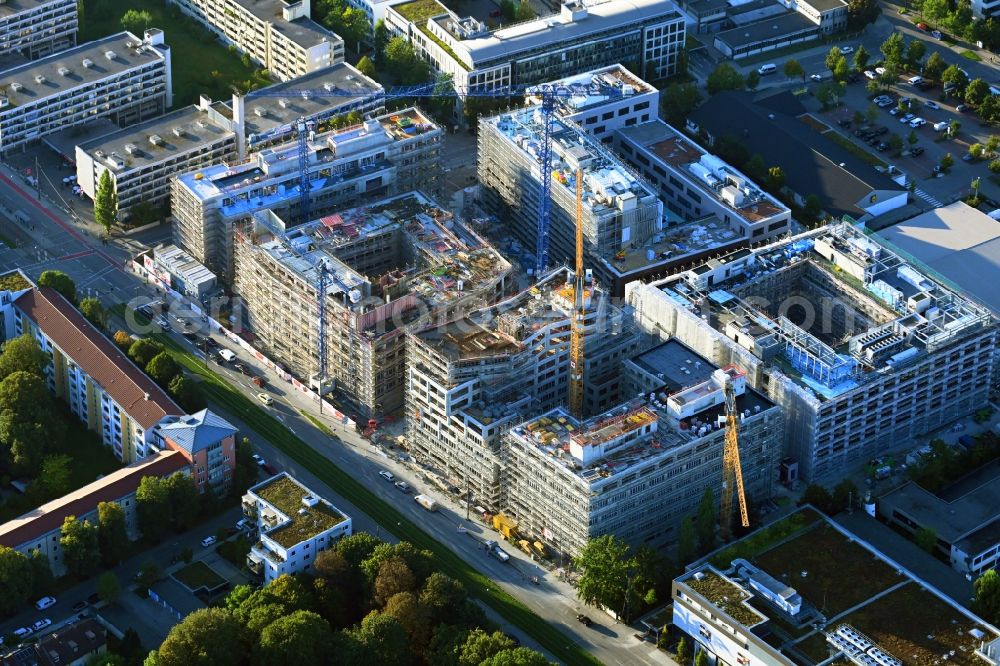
pixel 926 197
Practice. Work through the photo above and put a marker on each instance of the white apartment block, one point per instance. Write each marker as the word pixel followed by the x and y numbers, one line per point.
pixel 294 523
pixel 142 159
pixel 121 77
pixel 647 35
pixel 471 379
pixel 36 28
pixel 278 34
pixel 388 155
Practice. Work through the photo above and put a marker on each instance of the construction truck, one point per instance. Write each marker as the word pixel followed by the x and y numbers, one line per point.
pixel 525 545
pixel 493 548
pixel 428 503
pixel 505 526
pixel 541 550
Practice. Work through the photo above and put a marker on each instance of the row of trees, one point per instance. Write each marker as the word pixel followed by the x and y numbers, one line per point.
pixel 22 578
pixel 153 357
pixel 369 603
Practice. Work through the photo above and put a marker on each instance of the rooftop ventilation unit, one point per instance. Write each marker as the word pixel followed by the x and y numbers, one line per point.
pixel 64 71
pixel 88 63
pixel 110 55
pixel 39 79
pixel 178 131
pixel 328 86
pixel 283 103
pixel 16 87
pixel 116 161
pixel 260 111
pixel 202 124
pixel 131 148
pixel 156 139
pixel 99 154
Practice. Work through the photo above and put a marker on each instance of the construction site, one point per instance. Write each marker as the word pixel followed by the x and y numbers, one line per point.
pixel 637 469
pixel 863 350
pixel 399 262
pixel 471 379
pixel 618 207
pixel 392 154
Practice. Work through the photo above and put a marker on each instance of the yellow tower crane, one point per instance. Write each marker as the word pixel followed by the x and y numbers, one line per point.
pixel 732 472
pixel 579 313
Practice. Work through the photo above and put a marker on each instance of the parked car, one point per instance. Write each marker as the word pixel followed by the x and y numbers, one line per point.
pixel 967 157
pixel 257 459
pixel 265 398
pixel 93 599
pixel 894 111
pixel 69 180
pixel 940 127
pixel 881 130
pixel 816 77
pixel 227 354
pixel 190 336
pixel 23 632
pixel 936 34
pixel 845 123
pixel 880 70
pixel 45 602
pixel 270 469
pixel 584 620
pixel 208 541
pixel 41 624
pixel 882 147
pixel 79 606
pixel 931 104
pixel 962 108
pixel 907 118
pixel 923 26
pixel 385 474
pixel 870 74
pixel 242 524
pixel 916 151
pixel 917 122
pixel 844 50
pixel 853 77
pixel 211 343
pixel 145 311
pixel 403 487
pixel 914 80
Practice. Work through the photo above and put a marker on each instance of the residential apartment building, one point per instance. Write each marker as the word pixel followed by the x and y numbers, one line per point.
pixel 41 529
pixel 121 77
pixel 862 350
pixel 278 34
pixel 143 158
pixel 637 469
pixel 647 35
pixel 295 525
pixel 386 265
pixel 384 156
pixel 619 209
pixel 36 28
pixel 469 380
pixel 208 442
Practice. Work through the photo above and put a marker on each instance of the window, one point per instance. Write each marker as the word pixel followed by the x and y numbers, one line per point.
pixel 608 116
pixel 641 106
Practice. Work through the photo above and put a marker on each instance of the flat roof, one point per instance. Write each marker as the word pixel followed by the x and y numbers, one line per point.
pixel 95 52
pixel 959 243
pixel 196 128
pixel 303 522
pixel 304 31
pixel 824 5
pixel 612 76
pixel 752 33
pixel 11 7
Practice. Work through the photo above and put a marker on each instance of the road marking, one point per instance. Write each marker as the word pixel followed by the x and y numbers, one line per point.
pixel 927 197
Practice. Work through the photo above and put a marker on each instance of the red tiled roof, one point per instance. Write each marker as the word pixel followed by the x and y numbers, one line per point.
pixel 112 487
pixel 97 356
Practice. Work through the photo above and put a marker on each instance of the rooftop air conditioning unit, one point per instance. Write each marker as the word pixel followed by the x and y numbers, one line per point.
pixel 98 154
pixel 131 148
pixel 15 86
pixel 88 63
pixel 155 139
pixel 64 71
pixel 260 111
pixel 328 86
pixel 178 131
pixel 39 79
pixel 110 55
pixel 283 103
pixel 116 161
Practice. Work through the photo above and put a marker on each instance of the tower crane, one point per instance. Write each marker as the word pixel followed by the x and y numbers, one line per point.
pixel 732 472
pixel 576 360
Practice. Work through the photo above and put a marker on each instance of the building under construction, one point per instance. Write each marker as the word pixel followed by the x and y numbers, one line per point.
pixel 471 379
pixel 862 349
pixel 619 208
pixel 387 266
pixel 636 470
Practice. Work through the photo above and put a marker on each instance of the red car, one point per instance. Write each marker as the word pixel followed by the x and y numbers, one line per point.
pixel 924 27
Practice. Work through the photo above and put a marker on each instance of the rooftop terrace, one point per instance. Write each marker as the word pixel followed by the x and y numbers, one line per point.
pixel 727 596
pixel 307 515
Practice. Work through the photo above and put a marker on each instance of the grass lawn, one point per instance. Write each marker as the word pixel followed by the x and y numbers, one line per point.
pixel 220 392
pixel 971 55
pixel 199 62
pixel 197 575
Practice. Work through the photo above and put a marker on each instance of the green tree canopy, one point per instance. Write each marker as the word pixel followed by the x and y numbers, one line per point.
pixel 934 67
pixel 366 67
pixel 187 393
pixel 892 49
pixel 986 601
pixel 302 637
pixel 136 21
pixel 16 582
pixel 80 549
pixel 112 532
pixel 606 563
pixel 520 656
pixel 976 92
pixel 404 63
pixel 23 353
pixel 57 470
pixel 724 77
pixel 861 58
pixel 206 637
pixel 27 426
pixel 915 52
pixel 93 310
pixel 106 199
pixel 686 546
pixel 143 351
pixel 925 538
pixel 413 616
pixel 60 282
pixel 383 640
pixel 794 69
pixel 481 645
pixel 152 504
pixel 706 521
pixel 184 500
pixel 678 101
pixel 753 79
pixel 163 368
pixel 394 576
pixel 108 587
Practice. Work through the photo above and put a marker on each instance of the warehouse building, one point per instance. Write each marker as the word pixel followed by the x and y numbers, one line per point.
pixel 278 34
pixel 388 265
pixel 387 155
pixel 121 77
pixel 36 28
pixel 862 350
pixel 647 34
pixel 619 209
pixel 470 379
pixel 637 469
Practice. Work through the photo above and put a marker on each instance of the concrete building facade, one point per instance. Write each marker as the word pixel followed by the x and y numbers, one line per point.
pixel 278 34
pixel 36 28
pixel 387 155
pixel 471 379
pixel 121 77
pixel 295 525
pixel 861 350
pixel 388 265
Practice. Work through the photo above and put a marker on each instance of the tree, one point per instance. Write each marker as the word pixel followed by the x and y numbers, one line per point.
pixel 524 11
pixel 162 368
pixel 959 21
pixel 413 616
pixel 842 71
pixel 79 543
pixel 123 340
pixel 136 22
pixel 915 52
pixel 383 640
pixel 187 394
pixel 27 428
pixel 442 596
pixel 143 351
pixel 977 151
pixel 952 75
pixel 953 128
pixel 404 63
pixel 246 468
pixel 41 573
pixel 112 532
pixel 934 67
pixel 93 310
pixel 686 546
pixel 507 10
pixel 394 576
pixel 679 100
pixel 896 142
pixel 861 58
pixel 925 538
pixel 989 108
pixel 986 601
pixel 106 201
pixel 976 92
pixel 818 496
pixel 149 573
pixel 892 50
pixel 832 58
pixel 812 209
pixel 994 166
pixel 358 547
pixel 184 501
pixel 519 656
pixel 129 648
pixel 480 646
pixel 913 139
pixel 206 637
pixel 302 637
pixel 108 587
pixel 775 179
pixel 56 474
pixel 753 80
pixel 706 519
pixel 724 77
pixel 845 494
pixel 701 659
pixel 947 162
pixel 871 113
pixel 23 354
pixel 794 69
pixel 382 36
pixel 60 282
pixel 992 143
pixel 366 67
pixel 606 563
pixel 683 652
pixel 861 12
pixel 934 10
pixel 15 581
pixel 152 505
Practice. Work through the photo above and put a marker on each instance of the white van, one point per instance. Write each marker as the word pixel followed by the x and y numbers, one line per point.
pixel 227 354
pixel 769 68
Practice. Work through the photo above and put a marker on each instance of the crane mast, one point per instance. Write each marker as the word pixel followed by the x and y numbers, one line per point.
pixel 579 313
pixel 732 472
